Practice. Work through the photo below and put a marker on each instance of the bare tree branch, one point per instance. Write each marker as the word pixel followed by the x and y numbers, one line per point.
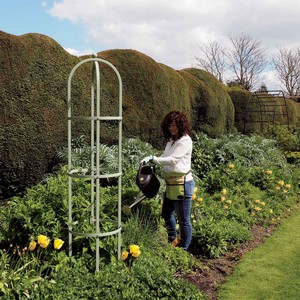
pixel 247 60
pixel 212 59
pixel 287 68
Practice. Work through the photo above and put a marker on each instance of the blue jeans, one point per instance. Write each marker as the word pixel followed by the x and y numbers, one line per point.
pixel 183 211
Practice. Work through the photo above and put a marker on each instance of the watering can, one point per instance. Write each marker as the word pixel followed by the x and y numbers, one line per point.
pixel 147 182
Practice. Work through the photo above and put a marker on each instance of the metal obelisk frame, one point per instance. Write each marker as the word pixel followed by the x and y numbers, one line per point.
pixel 95 174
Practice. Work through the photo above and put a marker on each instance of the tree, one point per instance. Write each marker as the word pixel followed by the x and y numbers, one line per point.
pixel 246 60
pixel 212 59
pixel 287 68
pixel 263 88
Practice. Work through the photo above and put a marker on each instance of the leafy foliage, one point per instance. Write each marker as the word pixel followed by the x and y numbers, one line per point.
pixel 287 138
pixel 235 190
pixel 256 181
pixel 246 150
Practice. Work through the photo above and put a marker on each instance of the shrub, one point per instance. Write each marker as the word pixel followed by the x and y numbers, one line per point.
pixel 236 191
pixel 287 138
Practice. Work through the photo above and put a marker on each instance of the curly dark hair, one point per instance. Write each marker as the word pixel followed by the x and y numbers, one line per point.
pixel 181 121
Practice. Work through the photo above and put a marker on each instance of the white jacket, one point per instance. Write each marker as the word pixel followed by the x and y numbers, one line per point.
pixel 177 156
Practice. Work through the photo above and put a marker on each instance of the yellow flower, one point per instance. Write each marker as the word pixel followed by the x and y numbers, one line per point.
pixel 224 192
pixel 136 254
pixel 269 172
pixel 58 244
pixel 277 188
pixel 257 201
pixel 256 208
pixel 124 255
pixel 228 202
pixel 288 186
pixel 231 166
pixel 32 245
pixel 194 197
pixel 135 250
pixel 200 199
pixel 271 211
pixel 222 199
pixel 262 203
pixel 195 190
pixel 225 206
pixel 284 191
pixel 196 204
pixel 43 241
pixel 281 182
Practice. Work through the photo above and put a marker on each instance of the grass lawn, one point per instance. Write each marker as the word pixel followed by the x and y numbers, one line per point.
pixel 272 271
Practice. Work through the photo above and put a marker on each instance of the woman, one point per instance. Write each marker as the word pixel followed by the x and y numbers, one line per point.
pixel 176 161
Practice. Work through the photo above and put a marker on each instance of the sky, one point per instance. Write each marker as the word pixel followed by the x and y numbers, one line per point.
pixel 168 31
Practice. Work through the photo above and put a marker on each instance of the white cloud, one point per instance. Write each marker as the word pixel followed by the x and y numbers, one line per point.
pixel 76 52
pixel 271 81
pixel 168 31
pixel 171 31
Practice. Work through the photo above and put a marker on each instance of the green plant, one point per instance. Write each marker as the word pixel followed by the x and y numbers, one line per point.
pixel 286 137
pixel 246 150
pixel 216 227
pixel 236 191
pixel 293 157
pixel 17 275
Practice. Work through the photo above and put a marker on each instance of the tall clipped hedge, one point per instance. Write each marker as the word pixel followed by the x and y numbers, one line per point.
pixel 33 71
pixel 212 110
pixel 150 91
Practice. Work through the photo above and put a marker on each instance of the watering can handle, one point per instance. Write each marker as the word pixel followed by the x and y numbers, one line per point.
pixel 142 164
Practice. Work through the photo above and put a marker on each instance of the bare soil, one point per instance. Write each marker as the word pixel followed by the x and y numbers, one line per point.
pixel 214 271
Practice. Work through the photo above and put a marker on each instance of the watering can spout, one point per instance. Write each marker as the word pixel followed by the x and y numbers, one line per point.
pixel 138 199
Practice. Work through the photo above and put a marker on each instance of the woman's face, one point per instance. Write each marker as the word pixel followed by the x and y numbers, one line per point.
pixel 173 129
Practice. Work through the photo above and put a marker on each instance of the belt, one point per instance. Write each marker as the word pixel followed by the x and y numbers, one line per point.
pixel 178 178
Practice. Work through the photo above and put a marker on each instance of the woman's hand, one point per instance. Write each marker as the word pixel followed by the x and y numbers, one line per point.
pixel 147 159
